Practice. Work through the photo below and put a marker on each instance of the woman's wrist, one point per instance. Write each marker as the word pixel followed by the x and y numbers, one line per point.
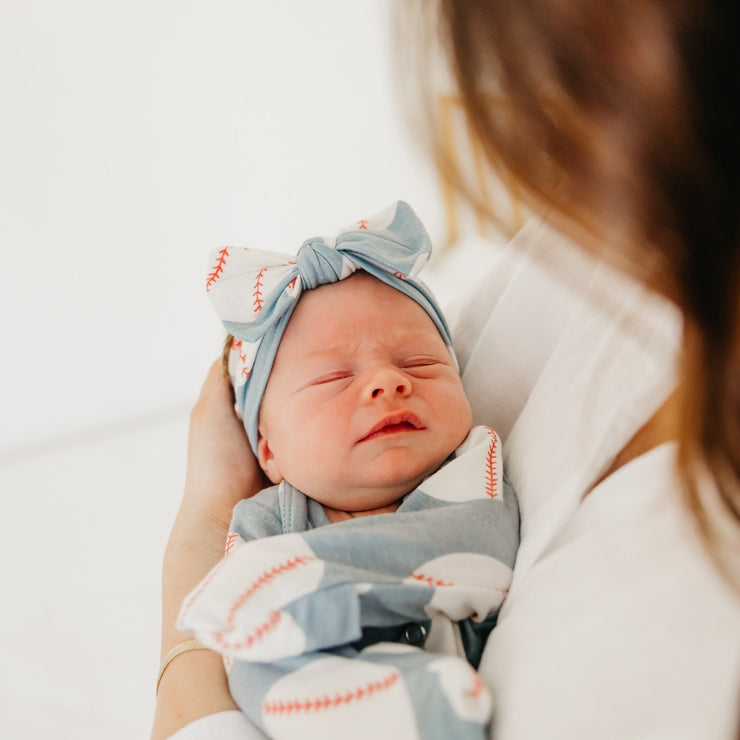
pixel 194 683
pixel 195 545
pixel 193 686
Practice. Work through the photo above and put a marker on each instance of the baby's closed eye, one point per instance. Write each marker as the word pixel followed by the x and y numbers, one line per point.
pixel 423 366
pixel 420 362
pixel 330 377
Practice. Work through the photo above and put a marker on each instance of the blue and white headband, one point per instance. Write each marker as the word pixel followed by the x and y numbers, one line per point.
pixel 254 291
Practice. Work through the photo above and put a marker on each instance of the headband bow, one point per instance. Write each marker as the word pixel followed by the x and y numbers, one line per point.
pixel 254 291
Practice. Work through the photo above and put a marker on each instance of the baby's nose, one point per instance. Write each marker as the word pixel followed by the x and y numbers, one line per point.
pixel 389 381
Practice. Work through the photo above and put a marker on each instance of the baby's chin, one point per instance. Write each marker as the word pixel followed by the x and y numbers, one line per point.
pixel 368 496
pixel 340 515
pixel 371 484
pixel 359 500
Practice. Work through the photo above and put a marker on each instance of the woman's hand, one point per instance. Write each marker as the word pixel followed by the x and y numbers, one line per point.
pixel 221 470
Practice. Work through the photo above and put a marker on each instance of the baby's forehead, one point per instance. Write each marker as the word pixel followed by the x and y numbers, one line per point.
pixel 328 332
pixel 359 287
pixel 362 299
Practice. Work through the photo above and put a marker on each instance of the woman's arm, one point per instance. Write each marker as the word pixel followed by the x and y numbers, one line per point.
pixel 221 470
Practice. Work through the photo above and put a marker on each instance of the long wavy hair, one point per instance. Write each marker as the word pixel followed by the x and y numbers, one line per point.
pixel 623 117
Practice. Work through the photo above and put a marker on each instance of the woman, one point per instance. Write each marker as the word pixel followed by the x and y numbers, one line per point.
pixel 617 394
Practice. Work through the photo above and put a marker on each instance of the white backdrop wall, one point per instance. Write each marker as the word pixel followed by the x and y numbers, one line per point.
pixel 135 136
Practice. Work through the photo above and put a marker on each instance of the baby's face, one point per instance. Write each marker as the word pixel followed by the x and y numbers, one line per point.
pixel 363 401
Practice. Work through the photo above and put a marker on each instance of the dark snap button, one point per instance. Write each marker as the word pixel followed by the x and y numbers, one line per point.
pixel 415 634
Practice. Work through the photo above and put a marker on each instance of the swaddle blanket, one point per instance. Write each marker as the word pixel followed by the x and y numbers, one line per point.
pixel 285 610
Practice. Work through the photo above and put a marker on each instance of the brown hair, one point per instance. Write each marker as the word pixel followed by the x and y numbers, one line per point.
pixel 225 352
pixel 623 117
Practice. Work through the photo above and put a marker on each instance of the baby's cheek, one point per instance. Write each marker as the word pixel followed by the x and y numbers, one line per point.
pixel 324 458
pixel 457 422
pixel 320 451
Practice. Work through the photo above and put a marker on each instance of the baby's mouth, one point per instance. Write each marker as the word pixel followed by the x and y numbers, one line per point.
pixel 400 422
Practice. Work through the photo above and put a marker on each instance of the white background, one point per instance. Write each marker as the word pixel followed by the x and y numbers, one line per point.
pixel 134 137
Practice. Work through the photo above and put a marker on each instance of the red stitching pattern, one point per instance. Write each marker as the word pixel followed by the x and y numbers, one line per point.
pixel 362 224
pixel 491 465
pixel 267 626
pixel 291 284
pixel 478 686
pixel 230 540
pixel 218 269
pixel 400 275
pixel 265 578
pixel 236 346
pixel 431 580
pixel 316 704
pixel 257 294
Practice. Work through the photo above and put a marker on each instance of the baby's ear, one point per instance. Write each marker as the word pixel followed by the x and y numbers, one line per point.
pixel 266 458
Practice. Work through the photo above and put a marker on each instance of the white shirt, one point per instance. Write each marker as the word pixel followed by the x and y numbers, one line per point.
pixel 617 625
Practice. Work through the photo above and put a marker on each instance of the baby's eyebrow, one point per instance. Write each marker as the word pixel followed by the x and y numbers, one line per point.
pixel 395 339
pixel 314 363
pixel 331 351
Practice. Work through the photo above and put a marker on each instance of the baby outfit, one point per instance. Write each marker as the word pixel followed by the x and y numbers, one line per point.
pixel 321 624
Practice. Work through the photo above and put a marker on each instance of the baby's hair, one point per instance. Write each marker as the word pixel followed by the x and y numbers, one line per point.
pixel 225 354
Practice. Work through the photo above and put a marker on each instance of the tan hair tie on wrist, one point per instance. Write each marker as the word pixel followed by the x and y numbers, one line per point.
pixel 181 647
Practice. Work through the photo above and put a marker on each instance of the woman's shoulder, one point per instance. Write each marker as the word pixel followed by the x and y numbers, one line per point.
pixel 628 593
pixel 567 365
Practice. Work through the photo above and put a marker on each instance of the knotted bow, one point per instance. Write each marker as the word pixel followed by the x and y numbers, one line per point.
pixel 254 291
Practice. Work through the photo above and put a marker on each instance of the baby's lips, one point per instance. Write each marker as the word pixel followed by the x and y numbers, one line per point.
pixel 399 420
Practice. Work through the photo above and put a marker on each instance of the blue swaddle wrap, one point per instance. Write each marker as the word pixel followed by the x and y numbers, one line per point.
pixel 322 624
pixel 254 292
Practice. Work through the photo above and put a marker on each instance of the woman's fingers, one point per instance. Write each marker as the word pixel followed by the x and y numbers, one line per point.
pixel 221 467
pixel 216 388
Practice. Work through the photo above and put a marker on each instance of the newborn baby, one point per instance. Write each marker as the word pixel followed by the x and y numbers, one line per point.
pixel 352 401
